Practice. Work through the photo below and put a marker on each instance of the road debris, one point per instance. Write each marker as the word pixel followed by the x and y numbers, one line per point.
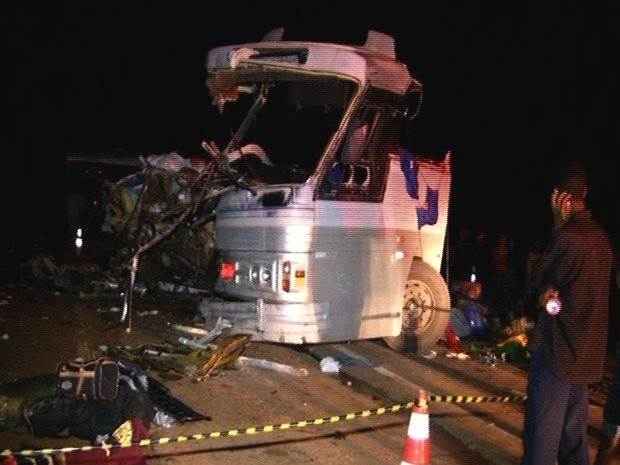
pixel 270 365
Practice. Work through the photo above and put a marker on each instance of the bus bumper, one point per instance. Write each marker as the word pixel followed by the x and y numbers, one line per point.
pixel 288 323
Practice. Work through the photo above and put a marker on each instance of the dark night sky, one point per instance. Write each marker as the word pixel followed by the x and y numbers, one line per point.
pixel 510 88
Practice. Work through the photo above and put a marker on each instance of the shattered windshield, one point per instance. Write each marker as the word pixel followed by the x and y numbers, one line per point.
pixel 276 131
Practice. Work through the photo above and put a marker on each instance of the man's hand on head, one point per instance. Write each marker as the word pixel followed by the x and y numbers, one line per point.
pixel 560 206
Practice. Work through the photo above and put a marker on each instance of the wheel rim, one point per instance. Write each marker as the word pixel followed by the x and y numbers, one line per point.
pixel 418 307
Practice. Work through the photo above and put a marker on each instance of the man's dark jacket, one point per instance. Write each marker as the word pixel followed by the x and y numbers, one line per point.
pixel 578 263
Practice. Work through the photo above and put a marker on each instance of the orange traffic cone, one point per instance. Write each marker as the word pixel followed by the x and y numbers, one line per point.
pixel 418 446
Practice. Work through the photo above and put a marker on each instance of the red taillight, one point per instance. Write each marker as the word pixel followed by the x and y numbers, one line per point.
pixel 228 270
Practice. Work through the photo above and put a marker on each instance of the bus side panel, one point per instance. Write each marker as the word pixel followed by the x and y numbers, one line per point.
pixel 361 274
pixel 418 193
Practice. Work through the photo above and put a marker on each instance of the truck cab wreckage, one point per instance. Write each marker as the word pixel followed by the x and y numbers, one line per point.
pixel 329 228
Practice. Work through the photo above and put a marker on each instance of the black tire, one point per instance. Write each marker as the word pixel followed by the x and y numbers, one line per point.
pixel 426 310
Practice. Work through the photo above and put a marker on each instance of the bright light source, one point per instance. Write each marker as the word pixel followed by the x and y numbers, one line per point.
pixel 553 305
pixel 228 270
pixel 78 242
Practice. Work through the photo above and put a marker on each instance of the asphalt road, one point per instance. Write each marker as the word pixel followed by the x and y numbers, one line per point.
pixel 331 421
pixel 258 414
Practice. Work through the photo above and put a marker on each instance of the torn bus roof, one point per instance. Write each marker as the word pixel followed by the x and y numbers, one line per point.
pixel 372 64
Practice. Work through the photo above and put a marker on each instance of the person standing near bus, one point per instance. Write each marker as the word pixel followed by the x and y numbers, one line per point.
pixel 571 285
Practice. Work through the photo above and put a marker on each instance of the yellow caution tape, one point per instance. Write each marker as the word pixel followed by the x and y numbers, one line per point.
pixel 475 399
pixel 264 429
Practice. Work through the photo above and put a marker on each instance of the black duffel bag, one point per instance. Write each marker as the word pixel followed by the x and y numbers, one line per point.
pixel 96 379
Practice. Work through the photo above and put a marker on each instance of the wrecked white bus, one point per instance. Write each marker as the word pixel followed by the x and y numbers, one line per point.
pixel 335 230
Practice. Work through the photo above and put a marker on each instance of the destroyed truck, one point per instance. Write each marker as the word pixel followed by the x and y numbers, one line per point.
pixel 326 226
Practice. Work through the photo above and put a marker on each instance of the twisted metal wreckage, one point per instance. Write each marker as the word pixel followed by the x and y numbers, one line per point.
pixel 161 221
